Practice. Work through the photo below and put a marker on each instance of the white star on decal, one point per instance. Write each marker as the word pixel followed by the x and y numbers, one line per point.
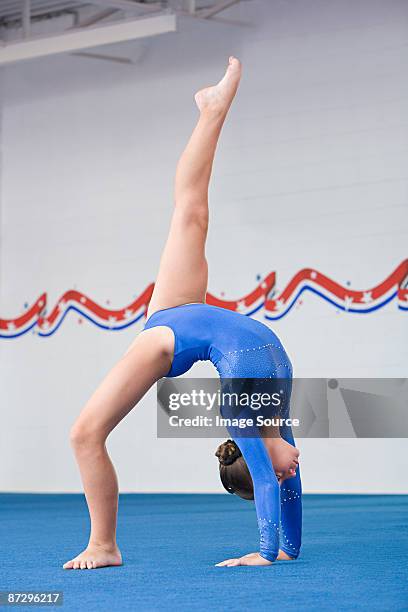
pixel 348 300
pixel 112 320
pixel 83 299
pixel 241 305
pixel 313 274
pixel 61 305
pixel 279 303
pixel 45 325
pixel 264 285
pixel 128 313
pixel 367 297
pixel 11 326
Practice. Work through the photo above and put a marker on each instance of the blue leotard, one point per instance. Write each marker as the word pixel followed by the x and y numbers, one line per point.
pixel 243 348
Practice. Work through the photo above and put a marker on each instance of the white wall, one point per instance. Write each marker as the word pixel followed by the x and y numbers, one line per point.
pixel 311 172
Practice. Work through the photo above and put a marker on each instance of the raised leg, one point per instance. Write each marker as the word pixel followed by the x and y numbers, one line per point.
pixel 182 278
pixel 183 271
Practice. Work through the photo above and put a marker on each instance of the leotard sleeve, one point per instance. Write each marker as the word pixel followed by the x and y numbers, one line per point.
pixel 278 508
pixel 266 492
pixel 266 486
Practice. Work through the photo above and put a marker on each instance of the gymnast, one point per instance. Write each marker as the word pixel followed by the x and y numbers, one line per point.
pixel 181 330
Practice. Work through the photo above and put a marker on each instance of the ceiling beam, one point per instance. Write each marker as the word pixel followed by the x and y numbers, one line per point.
pixel 13 11
pixel 217 8
pixel 126 5
pixel 102 56
pixel 95 18
pixel 79 39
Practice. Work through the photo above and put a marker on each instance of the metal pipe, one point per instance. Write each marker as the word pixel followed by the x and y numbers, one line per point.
pixel 190 6
pixel 26 18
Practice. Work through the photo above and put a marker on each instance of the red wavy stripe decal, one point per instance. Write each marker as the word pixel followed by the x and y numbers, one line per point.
pixel 261 291
pixel 73 297
pixel 395 285
pixel 345 297
pixel 32 313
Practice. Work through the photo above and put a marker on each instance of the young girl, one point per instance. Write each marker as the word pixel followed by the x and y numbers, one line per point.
pixel 180 330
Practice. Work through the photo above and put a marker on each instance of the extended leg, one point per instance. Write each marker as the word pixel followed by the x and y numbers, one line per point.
pixel 183 271
pixel 291 516
pixel 291 507
pixel 118 393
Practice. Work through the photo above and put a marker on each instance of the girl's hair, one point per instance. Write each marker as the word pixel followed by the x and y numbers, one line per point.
pixel 234 472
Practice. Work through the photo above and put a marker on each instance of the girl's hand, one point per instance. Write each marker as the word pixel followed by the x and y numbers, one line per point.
pixel 251 559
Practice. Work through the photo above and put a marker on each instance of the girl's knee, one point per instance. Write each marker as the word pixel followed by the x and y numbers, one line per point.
pixel 192 212
pixel 85 436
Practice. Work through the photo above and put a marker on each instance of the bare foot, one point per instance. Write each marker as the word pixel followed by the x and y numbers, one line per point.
pixel 284 457
pixel 219 97
pixel 282 556
pixel 95 556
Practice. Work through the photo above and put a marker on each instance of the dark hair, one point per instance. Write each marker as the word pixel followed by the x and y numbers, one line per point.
pixel 234 472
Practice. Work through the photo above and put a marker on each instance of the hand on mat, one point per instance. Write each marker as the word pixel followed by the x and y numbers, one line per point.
pixel 250 559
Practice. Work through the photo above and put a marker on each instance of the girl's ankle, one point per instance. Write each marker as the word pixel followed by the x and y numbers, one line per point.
pixel 109 546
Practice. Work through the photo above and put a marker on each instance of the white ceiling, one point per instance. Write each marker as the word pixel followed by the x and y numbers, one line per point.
pixel 12 9
pixel 35 28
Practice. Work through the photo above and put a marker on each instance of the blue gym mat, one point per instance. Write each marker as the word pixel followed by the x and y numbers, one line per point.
pixel 354 554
